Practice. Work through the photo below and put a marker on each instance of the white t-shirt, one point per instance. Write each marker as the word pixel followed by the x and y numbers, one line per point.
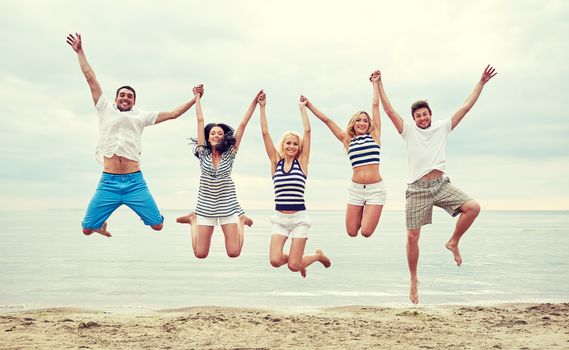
pixel 426 148
pixel 119 132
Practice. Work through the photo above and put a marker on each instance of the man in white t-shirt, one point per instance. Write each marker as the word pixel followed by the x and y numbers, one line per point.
pixel 428 186
pixel 118 150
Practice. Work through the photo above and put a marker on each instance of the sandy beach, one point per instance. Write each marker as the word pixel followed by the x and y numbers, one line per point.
pixel 515 326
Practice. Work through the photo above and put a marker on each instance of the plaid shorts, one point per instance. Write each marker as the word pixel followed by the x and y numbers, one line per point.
pixel 422 195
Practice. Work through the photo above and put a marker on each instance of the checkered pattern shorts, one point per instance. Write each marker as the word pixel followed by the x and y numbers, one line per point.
pixel 422 195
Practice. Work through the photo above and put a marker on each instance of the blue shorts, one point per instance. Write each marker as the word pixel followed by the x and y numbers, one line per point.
pixel 115 190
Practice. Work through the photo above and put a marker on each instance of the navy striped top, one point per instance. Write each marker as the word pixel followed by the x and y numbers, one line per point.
pixel 289 186
pixel 216 196
pixel 363 150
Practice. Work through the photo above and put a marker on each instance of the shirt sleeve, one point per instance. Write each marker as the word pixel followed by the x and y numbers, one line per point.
pixel 150 118
pixel 102 104
pixel 448 125
pixel 404 133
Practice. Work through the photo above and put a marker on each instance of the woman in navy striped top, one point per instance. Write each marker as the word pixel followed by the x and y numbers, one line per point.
pixel 361 140
pixel 216 148
pixel 289 167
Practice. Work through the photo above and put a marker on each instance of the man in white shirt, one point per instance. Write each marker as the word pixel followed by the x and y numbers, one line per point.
pixel 428 186
pixel 118 150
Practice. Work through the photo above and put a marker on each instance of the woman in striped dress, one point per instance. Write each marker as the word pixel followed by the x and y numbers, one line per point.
pixel 361 140
pixel 289 167
pixel 216 148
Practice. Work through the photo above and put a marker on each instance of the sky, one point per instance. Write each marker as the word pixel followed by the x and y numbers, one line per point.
pixel 511 152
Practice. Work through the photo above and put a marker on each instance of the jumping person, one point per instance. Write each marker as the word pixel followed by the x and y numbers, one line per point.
pixel 118 150
pixel 217 146
pixel 428 185
pixel 289 169
pixel 361 141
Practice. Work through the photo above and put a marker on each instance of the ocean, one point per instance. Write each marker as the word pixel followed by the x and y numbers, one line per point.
pixel 509 256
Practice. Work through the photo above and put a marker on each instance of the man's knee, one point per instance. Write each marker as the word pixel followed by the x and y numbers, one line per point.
pixel 413 236
pixel 471 207
pixel 87 231
pixel 157 227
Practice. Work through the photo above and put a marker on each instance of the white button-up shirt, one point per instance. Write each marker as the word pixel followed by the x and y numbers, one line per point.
pixel 119 132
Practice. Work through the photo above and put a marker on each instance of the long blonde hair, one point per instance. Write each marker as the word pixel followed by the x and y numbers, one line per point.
pixel 352 122
pixel 281 143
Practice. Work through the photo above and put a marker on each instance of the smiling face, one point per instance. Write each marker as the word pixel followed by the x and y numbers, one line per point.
pixel 359 124
pixel 422 117
pixel 290 146
pixel 125 99
pixel 215 136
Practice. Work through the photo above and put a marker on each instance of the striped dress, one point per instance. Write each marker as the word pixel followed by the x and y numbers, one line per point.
pixel 216 196
pixel 363 150
pixel 289 186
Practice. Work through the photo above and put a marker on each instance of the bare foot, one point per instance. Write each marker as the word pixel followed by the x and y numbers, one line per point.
pixel 453 247
pixel 414 292
pixel 303 272
pixel 187 219
pixel 103 230
pixel 246 220
pixel 323 258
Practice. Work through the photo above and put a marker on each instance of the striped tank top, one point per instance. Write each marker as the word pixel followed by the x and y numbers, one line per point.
pixel 363 150
pixel 289 186
pixel 216 196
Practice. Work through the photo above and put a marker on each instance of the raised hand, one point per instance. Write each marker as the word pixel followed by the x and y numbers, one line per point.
pixel 262 99
pixel 75 42
pixel 489 73
pixel 198 90
pixel 303 101
pixel 375 76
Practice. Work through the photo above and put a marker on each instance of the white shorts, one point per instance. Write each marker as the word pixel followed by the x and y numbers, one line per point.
pixel 293 225
pixel 360 195
pixel 222 220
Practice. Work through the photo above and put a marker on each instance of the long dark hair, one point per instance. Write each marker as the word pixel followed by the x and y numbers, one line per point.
pixel 228 138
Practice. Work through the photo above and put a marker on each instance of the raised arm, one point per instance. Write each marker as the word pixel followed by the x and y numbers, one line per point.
pixel 75 42
pixel 272 152
pixel 241 128
pixel 305 155
pixel 339 133
pixel 375 116
pixel 163 116
pixel 489 73
pixel 391 113
pixel 199 114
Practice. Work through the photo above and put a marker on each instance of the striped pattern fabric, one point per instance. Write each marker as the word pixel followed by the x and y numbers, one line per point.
pixel 363 150
pixel 289 187
pixel 216 196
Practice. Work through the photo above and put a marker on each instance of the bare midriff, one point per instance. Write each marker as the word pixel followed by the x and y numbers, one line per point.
pixel 366 174
pixel 433 174
pixel 120 165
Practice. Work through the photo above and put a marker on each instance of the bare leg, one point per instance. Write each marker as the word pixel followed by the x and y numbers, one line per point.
pixel 276 255
pixel 412 260
pixel 201 239
pixel 103 231
pixel 233 239
pixel 353 219
pixel 299 262
pixel 192 220
pixel 470 211
pixel 370 218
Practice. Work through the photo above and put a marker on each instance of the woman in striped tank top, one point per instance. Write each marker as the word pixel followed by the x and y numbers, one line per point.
pixel 216 148
pixel 289 168
pixel 361 140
